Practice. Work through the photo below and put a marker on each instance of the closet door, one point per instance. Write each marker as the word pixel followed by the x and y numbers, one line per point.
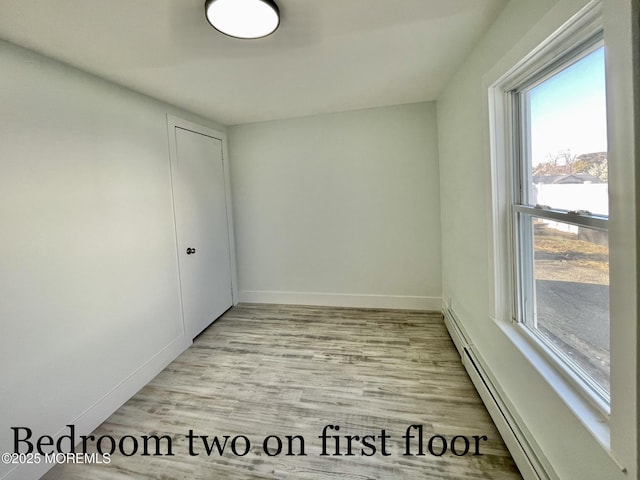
pixel 204 253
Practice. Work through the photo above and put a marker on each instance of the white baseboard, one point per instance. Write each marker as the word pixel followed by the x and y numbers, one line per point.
pixel 92 417
pixel 526 453
pixel 403 302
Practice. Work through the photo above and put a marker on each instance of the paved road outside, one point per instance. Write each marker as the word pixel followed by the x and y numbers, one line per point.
pixel 575 317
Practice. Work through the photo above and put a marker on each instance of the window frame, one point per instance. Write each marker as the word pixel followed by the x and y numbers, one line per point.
pixel 508 121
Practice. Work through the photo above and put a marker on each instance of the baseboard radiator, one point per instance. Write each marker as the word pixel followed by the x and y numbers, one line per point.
pixel 521 445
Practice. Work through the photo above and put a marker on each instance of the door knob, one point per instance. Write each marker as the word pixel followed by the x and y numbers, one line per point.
pixel 191 251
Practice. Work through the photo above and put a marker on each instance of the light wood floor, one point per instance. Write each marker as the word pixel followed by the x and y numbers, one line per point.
pixel 265 370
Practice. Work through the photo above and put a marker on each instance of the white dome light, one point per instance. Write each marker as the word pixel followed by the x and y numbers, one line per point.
pixel 243 18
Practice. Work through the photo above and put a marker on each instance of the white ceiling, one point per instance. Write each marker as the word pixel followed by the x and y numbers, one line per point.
pixel 327 55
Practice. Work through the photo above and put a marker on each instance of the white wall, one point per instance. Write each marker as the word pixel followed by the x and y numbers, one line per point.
pixel 89 295
pixel 464 153
pixel 339 209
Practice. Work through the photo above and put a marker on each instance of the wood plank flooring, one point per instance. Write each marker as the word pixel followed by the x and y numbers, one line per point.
pixel 280 370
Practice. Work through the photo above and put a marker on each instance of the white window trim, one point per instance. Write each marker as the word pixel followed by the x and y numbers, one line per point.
pixel 592 411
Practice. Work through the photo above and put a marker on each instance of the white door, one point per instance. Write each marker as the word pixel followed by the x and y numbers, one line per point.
pixel 204 253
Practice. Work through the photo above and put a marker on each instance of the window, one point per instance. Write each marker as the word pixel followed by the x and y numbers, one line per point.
pixel 555 117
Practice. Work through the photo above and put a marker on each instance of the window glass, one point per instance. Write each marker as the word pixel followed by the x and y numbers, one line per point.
pixel 562 258
pixel 571 265
pixel 566 133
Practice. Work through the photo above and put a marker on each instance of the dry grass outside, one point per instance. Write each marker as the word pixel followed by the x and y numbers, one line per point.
pixel 566 257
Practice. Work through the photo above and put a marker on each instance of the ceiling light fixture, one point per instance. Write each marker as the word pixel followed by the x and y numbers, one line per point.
pixel 243 18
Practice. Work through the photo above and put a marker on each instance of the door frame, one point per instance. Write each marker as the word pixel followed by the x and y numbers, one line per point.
pixel 174 122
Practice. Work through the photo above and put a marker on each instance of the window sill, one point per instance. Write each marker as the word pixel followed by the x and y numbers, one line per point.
pixel 593 419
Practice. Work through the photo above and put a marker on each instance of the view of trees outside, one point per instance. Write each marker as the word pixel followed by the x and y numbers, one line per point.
pixel 565 163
